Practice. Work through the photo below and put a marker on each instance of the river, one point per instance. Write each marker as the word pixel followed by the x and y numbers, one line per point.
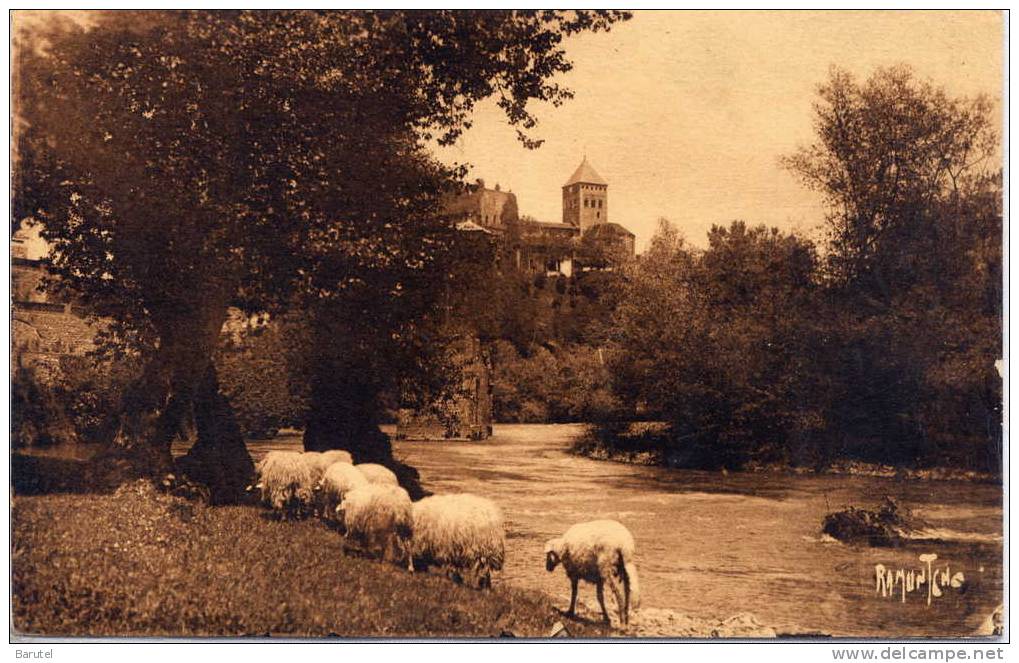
pixel 713 545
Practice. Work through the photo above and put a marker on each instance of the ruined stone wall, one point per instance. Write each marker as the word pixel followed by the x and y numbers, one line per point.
pixel 43 330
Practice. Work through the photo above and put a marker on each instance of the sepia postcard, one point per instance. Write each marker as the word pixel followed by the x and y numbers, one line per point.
pixel 337 325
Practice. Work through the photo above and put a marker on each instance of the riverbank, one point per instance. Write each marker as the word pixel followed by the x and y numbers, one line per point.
pixel 142 563
pixel 709 546
pixel 587 447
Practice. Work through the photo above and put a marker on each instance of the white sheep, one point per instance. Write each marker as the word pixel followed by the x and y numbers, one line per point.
pixel 463 531
pixel 378 520
pixel 598 551
pixel 337 481
pixel 995 623
pixel 327 458
pixel 378 474
pixel 285 482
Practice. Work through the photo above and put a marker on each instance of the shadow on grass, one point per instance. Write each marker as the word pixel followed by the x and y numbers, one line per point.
pixel 41 475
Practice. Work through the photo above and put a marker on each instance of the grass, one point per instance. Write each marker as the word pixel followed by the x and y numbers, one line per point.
pixel 142 563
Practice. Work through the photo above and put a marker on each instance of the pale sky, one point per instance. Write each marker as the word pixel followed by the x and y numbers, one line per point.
pixel 686 113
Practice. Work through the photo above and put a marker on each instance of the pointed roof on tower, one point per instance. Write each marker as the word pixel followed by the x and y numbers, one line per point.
pixel 586 174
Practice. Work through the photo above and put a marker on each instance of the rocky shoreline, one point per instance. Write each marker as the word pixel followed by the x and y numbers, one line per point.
pixel 665 623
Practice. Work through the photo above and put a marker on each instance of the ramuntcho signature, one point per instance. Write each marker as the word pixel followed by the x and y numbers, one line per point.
pixel 903 581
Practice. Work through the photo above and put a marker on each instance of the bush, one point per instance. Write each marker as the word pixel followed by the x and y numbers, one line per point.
pixel 567 384
pixel 72 402
pixel 37 418
pixel 260 374
pixel 91 392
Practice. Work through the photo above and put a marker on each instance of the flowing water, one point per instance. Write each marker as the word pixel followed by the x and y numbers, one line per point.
pixel 713 545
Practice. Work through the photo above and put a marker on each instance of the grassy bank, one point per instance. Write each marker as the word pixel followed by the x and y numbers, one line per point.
pixel 141 563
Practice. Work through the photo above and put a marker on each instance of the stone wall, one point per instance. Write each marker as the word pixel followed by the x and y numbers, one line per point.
pixel 43 330
pixel 489 208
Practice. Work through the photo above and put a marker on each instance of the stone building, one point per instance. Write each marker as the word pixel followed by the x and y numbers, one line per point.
pixel 43 328
pixel 585 198
pixel 547 245
pixel 494 209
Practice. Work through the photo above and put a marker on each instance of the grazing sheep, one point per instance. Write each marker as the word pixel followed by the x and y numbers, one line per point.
pixel 285 482
pixel 378 520
pixel 461 531
pixel 327 458
pixel 337 481
pixel 378 474
pixel 599 551
pixel 995 623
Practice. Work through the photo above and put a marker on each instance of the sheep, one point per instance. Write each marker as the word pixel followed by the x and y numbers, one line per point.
pixel 378 519
pixel 285 482
pixel 338 480
pixel 995 622
pixel 378 474
pixel 326 458
pixel 463 531
pixel 598 551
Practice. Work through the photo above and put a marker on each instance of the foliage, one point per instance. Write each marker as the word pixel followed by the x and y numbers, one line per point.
pixel 67 403
pixel 715 343
pixel 892 155
pixel 914 267
pixel 262 373
pixel 90 389
pixel 570 384
pixel 183 162
pixel 547 336
pixel 881 349
pixel 251 138
pixel 38 419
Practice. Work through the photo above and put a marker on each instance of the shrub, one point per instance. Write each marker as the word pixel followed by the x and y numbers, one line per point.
pixel 71 402
pixel 259 373
pixel 37 418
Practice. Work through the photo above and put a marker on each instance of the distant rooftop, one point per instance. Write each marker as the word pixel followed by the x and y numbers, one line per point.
pixel 602 229
pixel 555 224
pixel 586 174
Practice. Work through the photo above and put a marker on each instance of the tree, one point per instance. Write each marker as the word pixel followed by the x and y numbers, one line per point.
pixel 891 154
pixel 913 309
pixel 716 343
pixel 183 162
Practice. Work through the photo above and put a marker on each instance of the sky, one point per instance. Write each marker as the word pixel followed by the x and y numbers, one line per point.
pixel 686 114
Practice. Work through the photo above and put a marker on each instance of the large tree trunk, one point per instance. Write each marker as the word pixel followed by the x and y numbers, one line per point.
pixel 218 459
pixel 344 414
pixel 149 417
pixel 179 376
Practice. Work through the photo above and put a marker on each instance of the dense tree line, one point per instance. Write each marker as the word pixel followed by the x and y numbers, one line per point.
pixel 879 344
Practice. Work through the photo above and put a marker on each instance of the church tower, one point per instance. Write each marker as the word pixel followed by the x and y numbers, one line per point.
pixel 585 198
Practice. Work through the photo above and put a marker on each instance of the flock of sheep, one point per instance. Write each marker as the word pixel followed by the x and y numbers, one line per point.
pixel 463 533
